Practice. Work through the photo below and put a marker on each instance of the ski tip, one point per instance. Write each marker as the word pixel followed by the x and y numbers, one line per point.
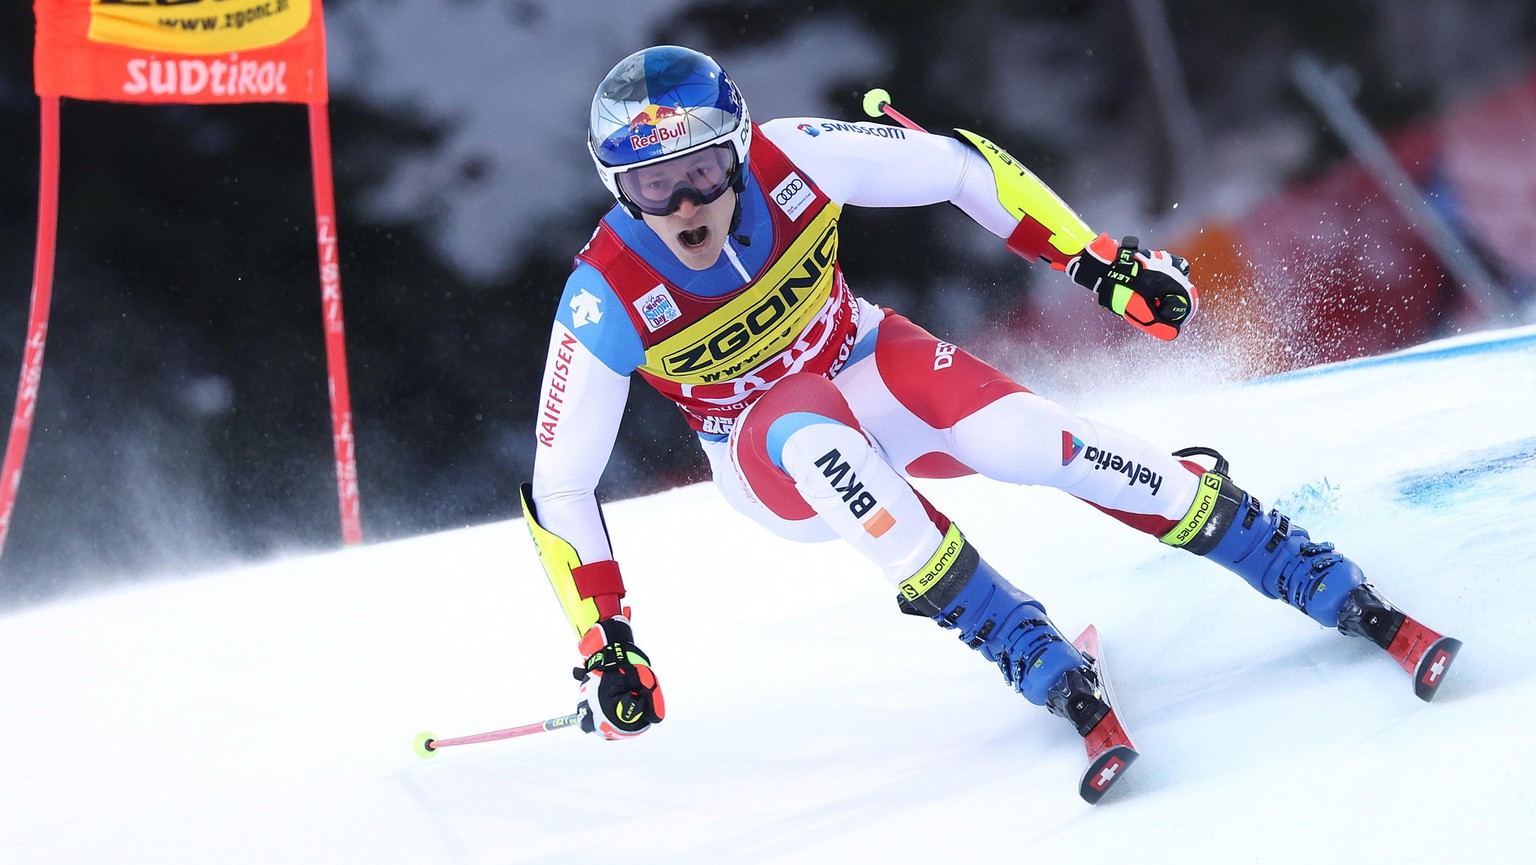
pixel 1432 667
pixel 423 745
pixel 1107 769
pixel 1088 640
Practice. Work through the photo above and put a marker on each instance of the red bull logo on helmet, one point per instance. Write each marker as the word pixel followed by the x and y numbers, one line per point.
pixel 655 124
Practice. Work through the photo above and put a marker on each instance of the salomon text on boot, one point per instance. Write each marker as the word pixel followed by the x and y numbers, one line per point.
pixel 961 592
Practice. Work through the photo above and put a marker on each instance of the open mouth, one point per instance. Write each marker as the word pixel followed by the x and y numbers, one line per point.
pixel 694 238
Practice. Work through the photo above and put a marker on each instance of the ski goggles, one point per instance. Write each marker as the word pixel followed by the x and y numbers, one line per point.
pixel 658 188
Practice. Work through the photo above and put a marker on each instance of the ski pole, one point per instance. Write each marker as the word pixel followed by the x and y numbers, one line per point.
pixel 427 744
pixel 878 102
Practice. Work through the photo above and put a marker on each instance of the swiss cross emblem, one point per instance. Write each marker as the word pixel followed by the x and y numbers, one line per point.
pixel 1107 774
pixel 1432 675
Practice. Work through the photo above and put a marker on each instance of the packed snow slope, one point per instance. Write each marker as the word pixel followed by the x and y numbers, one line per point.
pixel 266 715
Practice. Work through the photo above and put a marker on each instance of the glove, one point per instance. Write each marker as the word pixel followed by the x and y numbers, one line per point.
pixel 620 696
pixel 1151 290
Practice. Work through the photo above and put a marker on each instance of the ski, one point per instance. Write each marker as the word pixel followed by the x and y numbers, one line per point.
pixel 1425 654
pixel 1110 750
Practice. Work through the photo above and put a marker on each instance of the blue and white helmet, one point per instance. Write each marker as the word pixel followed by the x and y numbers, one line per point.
pixel 660 103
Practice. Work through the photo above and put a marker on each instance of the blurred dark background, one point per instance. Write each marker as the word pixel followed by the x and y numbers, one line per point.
pixel 183 420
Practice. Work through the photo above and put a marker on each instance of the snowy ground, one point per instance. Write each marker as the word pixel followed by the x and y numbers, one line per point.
pixel 266 715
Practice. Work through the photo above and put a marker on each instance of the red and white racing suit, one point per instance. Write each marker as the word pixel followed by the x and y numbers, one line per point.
pixel 812 405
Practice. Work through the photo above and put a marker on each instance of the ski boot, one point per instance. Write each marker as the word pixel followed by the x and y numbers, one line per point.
pixel 961 592
pixel 1280 560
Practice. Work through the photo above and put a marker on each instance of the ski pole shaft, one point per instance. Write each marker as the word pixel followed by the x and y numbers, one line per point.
pixel 427 744
pixel 878 102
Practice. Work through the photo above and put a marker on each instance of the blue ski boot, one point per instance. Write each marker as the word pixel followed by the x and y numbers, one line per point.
pixel 961 592
pixel 1279 559
pixel 1229 526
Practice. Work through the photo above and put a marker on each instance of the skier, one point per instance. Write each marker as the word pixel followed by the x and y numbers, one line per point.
pixel 716 278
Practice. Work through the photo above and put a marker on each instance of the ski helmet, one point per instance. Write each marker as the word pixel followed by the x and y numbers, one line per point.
pixel 664 103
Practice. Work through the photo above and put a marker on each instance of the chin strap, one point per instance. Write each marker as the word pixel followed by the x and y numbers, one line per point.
pixel 740 186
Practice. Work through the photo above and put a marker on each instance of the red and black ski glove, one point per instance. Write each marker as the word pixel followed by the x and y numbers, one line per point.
pixel 1151 290
pixel 620 696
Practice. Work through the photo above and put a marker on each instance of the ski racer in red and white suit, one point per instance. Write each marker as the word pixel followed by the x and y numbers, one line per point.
pixel 716 279
pixel 923 407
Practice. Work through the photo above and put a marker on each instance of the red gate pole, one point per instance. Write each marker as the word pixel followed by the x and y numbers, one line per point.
pixel 37 325
pixel 335 334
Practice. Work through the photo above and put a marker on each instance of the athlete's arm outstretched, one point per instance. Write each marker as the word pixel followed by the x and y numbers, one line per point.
pixel 875 165
pixel 878 165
